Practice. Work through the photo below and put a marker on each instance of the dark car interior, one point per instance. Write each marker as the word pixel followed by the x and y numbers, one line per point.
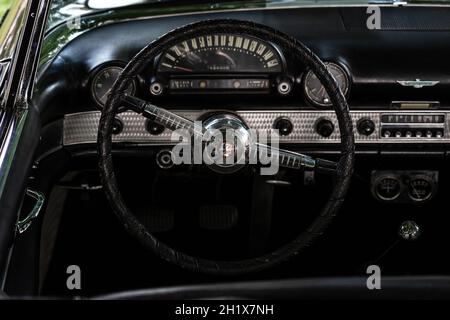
pixel 386 206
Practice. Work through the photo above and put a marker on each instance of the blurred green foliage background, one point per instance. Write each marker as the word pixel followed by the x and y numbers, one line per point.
pixel 4 4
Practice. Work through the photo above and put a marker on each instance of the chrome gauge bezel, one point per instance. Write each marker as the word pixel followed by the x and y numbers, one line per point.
pixel 378 183
pixel 431 192
pixel 100 71
pixel 307 77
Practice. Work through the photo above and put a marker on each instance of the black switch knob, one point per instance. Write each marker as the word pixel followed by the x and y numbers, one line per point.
pixel 324 127
pixel 154 128
pixel 284 126
pixel 365 127
pixel 117 126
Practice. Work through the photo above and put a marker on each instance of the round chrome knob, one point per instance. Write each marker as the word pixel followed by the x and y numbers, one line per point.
pixel 409 230
pixel 156 88
pixel 164 159
pixel 284 87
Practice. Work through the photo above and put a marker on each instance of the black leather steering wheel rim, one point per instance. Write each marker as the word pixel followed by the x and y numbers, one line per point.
pixel 344 168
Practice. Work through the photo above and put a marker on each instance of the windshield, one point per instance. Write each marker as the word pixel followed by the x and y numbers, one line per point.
pixel 64 10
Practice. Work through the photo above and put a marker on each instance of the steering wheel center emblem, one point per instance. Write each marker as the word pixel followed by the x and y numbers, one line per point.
pixel 228 149
pixel 235 140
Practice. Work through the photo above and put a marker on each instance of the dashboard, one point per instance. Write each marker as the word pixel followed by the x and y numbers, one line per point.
pixel 396 81
pixel 395 78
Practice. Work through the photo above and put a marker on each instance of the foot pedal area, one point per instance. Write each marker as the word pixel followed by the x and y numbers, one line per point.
pixel 220 217
pixel 156 219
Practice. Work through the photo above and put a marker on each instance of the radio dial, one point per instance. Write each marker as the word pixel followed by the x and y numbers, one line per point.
pixel 412 125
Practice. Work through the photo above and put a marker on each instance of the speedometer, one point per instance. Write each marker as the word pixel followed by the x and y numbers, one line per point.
pixel 221 53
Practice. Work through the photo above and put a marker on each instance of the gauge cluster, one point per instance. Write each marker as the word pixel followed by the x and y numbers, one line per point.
pixel 221 53
pixel 404 186
pixel 222 64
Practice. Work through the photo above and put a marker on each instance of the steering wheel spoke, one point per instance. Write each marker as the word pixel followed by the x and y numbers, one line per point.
pixel 161 116
pixel 295 160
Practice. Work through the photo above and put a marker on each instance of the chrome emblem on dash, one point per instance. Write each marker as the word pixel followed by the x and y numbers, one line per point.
pixel 418 83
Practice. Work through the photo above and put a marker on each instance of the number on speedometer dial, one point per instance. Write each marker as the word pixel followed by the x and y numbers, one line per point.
pixel 221 53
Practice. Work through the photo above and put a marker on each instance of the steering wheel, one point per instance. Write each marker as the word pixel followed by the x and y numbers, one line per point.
pixel 343 169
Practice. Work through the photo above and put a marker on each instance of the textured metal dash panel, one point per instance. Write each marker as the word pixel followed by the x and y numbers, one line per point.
pixel 304 125
pixel 80 128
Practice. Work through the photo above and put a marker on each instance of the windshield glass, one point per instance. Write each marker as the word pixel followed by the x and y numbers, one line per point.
pixel 64 10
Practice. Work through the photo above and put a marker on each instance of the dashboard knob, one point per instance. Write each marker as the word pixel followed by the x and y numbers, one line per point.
pixel 324 127
pixel 409 230
pixel 284 126
pixel 365 127
pixel 154 128
pixel 117 126
pixel 164 159
pixel 284 87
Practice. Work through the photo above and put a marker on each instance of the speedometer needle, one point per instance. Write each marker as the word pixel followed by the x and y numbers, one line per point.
pixel 183 69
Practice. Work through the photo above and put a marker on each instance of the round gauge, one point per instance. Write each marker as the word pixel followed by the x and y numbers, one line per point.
pixel 316 93
pixel 388 188
pixel 221 53
pixel 103 82
pixel 420 189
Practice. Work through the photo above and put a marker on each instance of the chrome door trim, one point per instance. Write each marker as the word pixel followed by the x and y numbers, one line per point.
pixel 24 224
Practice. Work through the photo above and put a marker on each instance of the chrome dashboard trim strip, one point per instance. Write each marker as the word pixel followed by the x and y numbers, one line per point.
pixel 81 128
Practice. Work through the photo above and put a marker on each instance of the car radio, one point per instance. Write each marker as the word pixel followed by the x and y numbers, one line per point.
pixel 412 125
